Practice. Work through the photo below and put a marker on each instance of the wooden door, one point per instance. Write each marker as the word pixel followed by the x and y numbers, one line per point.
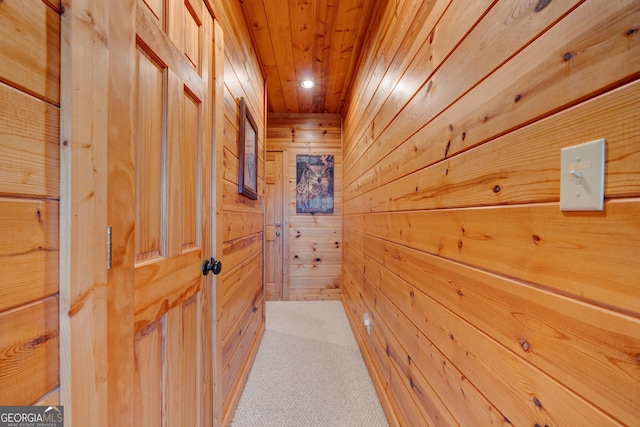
pixel 274 230
pixel 172 308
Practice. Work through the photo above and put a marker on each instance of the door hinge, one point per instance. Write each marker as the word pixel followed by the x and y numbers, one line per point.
pixel 108 247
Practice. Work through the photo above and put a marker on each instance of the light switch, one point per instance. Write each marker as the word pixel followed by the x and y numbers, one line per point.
pixel 582 177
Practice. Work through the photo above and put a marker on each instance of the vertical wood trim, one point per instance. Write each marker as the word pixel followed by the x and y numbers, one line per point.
pixel 83 212
pixel 264 204
pixel 175 98
pixel 173 367
pixel 286 258
pixel 264 200
pixel 207 298
pixel 343 254
pixel 121 211
pixel 217 67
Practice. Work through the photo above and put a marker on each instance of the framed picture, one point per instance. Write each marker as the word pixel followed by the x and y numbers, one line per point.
pixel 314 183
pixel 247 153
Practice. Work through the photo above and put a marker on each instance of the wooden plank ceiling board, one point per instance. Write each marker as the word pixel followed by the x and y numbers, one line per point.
pixel 317 39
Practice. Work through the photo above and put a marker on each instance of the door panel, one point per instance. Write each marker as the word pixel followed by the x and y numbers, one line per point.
pixel 149 148
pixel 171 229
pixel 148 376
pixel 190 171
pixel 157 8
pixel 191 366
pixel 192 35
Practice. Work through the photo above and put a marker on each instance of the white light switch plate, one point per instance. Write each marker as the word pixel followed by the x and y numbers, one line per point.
pixel 582 177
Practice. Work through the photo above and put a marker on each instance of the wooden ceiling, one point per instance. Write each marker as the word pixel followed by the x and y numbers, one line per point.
pixel 317 39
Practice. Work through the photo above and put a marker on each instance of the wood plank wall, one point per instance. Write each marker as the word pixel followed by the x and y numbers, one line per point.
pixel 29 201
pixel 490 306
pixel 314 259
pixel 240 292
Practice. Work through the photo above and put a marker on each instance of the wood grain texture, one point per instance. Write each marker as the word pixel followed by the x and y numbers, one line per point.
pixel 29 364
pixel 488 302
pixel 238 277
pixel 235 373
pixel 475 65
pixel 157 8
pixel 238 299
pixel 520 167
pixel 29 230
pixel 437 388
pixel 31 61
pixel 297 40
pixel 517 390
pixel 231 341
pixel 389 57
pixel 193 361
pixel 161 307
pixel 235 303
pixel 147 394
pixel 172 359
pixel 193 32
pixel 353 311
pixel 239 225
pixel 151 121
pixel 191 168
pixel 29 145
pixel 275 231
pixel 29 202
pixel 216 79
pixel 151 35
pixel 545 88
pixel 124 392
pixel 564 339
pixel 314 257
pixel 235 251
pixel 243 341
pixel 535 243
pixel 83 212
pixel 162 285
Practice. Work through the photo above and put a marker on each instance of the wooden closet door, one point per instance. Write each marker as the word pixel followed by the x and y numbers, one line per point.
pixel 172 320
pixel 274 230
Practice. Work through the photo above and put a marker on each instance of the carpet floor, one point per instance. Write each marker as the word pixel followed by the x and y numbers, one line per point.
pixel 308 371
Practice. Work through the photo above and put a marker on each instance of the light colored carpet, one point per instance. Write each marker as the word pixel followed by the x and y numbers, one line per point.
pixel 308 371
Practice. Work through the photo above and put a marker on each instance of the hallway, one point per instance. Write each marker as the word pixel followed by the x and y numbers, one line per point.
pixel 464 174
pixel 308 371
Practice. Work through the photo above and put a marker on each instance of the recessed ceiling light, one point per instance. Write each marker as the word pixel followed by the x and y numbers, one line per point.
pixel 307 83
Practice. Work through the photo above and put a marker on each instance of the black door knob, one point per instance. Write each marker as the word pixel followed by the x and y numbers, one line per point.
pixel 211 265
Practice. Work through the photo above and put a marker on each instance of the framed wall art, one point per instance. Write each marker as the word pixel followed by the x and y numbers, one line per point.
pixel 314 183
pixel 247 153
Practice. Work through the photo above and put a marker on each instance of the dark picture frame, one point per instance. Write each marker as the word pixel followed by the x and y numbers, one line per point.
pixel 247 153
